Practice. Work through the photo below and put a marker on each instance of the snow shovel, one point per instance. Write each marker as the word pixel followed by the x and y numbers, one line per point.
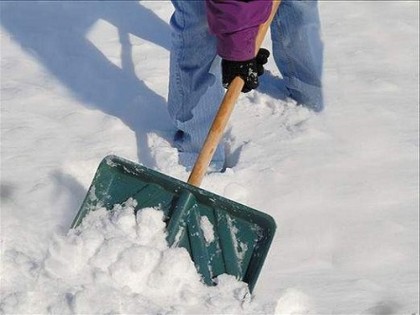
pixel 222 236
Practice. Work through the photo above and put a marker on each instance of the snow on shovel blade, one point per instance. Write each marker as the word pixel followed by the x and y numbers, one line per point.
pixel 221 236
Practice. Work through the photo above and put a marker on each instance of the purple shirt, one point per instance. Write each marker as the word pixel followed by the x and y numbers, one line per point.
pixel 235 24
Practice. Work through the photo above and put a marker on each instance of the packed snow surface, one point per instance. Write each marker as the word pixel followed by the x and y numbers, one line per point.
pixel 81 80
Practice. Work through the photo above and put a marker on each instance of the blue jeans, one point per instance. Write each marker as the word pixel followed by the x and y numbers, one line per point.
pixel 298 51
pixel 195 88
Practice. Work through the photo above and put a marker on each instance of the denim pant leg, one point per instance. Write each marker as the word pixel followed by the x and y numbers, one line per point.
pixel 195 89
pixel 298 50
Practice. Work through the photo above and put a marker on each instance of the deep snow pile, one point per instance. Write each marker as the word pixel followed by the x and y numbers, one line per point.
pixel 81 80
pixel 116 262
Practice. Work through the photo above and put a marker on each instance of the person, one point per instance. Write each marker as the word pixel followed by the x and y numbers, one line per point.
pixel 213 35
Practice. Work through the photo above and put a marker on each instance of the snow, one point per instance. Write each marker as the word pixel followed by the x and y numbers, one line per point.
pixel 208 229
pixel 81 80
pixel 117 254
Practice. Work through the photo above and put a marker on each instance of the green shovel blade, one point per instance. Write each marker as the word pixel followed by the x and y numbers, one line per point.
pixel 222 236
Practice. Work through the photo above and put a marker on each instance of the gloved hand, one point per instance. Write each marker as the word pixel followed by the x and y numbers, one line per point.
pixel 262 59
pixel 248 70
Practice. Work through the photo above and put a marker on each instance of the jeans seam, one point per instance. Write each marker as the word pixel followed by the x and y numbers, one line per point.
pixel 180 59
pixel 291 68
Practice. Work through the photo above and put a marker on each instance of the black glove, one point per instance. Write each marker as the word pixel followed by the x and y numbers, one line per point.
pixel 262 59
pixel 248 70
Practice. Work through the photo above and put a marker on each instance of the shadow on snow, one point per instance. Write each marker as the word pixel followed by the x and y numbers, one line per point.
pixel 55 34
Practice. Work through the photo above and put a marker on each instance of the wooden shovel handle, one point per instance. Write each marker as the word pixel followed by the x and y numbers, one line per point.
pixel 224 112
